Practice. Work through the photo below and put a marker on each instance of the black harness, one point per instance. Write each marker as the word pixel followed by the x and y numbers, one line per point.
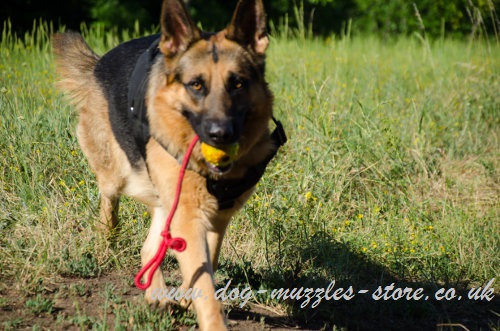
pixel 225 190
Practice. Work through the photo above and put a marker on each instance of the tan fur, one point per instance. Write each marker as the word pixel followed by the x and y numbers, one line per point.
pixel 198 219
pixel 254 143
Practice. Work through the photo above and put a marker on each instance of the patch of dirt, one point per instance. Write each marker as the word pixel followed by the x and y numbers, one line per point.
pixel 112 300
pixel 74 302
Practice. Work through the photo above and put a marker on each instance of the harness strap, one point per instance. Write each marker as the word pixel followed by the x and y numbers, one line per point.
pixel 137 87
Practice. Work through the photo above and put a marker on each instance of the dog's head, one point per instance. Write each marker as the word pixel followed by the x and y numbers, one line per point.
pixel 215 81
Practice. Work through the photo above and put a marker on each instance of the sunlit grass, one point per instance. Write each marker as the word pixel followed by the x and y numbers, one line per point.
pixel 390 152
pixel 391 169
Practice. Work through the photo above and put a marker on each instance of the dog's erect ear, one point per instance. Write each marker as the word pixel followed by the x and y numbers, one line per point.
pixel 248 26
pixel 178 30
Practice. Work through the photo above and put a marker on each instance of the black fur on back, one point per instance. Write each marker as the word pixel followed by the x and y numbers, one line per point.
pixel 113 72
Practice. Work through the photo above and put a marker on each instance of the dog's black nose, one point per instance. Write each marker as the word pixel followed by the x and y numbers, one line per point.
pixel 220 132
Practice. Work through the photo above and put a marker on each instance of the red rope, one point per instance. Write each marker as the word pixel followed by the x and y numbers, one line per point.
pixel 178 244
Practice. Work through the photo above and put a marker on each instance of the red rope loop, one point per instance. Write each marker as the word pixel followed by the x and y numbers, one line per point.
pixel 178 244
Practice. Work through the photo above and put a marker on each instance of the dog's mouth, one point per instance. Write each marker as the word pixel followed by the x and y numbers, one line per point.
pixel 219 160
pixel 219 170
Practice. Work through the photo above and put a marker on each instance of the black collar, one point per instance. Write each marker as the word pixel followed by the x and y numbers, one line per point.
pixel 225 190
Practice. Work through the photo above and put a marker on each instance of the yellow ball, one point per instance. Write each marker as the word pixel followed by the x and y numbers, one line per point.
pixel 219 157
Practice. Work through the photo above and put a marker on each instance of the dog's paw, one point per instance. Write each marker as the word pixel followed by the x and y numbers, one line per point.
pixel 164 298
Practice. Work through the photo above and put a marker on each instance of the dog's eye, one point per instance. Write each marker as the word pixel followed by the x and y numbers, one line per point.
pixel 237 84
pixel 196 85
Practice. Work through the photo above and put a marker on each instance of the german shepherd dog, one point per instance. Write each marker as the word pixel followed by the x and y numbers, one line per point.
pixel 141 104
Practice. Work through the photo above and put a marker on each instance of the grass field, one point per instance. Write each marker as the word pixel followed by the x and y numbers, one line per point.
pixel 391 175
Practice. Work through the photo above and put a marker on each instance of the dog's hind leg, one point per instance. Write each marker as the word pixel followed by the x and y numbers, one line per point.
pixel 108 163
pixel 108 212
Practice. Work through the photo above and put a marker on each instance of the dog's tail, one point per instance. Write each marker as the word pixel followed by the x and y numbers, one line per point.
pixel 75 63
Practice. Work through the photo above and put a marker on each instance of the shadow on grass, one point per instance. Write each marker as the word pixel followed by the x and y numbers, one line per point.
pixel 327 260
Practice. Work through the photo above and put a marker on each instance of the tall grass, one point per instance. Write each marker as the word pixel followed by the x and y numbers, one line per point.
pixel 391 174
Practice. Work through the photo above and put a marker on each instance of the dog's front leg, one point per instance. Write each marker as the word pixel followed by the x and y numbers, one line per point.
pixel 192 223
pixel 155 293
pixel 216 236
pixel 197 271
